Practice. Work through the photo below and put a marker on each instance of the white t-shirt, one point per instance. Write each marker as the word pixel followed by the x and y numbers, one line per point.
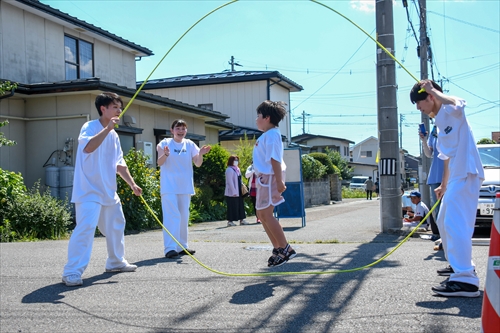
pixel 456 142
pixel 95 173
pixel 268 146
pixel 176 173
pixel 421 210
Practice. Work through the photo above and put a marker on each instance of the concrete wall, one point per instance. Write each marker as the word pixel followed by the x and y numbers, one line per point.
pixel 32 51
pixel 316 193
pixel 335 188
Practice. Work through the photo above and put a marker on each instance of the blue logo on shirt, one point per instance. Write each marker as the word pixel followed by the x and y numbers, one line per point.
pixel 448 129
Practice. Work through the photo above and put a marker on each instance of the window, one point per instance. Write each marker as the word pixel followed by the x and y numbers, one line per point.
pixel 366 153
pixel 127 141
pixel 206 106
pixel 78 58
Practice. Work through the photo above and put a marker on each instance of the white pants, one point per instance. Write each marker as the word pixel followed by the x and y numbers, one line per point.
pixel 175 209
pixel 456 221
pixel 111 224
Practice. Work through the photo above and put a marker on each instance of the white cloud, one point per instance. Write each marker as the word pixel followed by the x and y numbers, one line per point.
pixel 363 5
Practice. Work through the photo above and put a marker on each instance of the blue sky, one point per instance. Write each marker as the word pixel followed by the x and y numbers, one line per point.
pixel 313 46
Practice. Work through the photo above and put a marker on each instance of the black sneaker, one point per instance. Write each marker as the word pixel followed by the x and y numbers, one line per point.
pixel 171 254
pixel 457 289
pixel 183 252
pixel 447 271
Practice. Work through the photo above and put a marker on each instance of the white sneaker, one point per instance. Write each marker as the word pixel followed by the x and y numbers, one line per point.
pixel 126 268
pixel 72 280
pixel 243 222
pixel 230 224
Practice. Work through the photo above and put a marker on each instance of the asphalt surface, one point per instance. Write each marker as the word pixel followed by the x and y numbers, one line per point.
pixel 179 295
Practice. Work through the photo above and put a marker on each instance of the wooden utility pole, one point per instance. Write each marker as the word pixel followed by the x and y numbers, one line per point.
pixel 389 163
pixel 424 74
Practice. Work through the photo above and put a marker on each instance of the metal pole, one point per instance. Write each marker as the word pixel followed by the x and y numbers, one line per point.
pixel 389 163
pixel 424 74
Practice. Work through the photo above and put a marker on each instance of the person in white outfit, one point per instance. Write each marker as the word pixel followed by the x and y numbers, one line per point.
pixel 459 190
pixel 99 158
pixel 176 157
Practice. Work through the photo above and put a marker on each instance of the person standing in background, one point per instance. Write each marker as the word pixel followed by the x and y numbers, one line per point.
pixel 233 194
pixel 369 188
pixel 250 175
pixel 435 174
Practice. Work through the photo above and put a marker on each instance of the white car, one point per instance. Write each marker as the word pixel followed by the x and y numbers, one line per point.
pixel 490 157
pixel 358 182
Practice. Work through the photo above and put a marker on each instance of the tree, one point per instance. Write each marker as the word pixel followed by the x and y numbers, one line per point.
pixel 5 87
pixel 341 163
pixel 486 141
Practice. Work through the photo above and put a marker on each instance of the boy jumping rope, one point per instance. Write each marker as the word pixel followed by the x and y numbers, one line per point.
pixel 269 173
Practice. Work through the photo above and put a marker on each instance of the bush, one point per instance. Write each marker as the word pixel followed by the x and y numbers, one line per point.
pixel 341 163
pixel 244 150
pixel 137 215
pixel 349 193
pixel 36 216
pixel 11 187
pixel 212 172
pixel 312 169
pixel 331 169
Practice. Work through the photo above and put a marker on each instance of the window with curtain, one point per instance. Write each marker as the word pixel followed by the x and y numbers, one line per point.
pixel 78 58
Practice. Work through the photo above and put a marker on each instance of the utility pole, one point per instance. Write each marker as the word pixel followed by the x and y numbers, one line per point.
pixel 401 118
pixel 389 163
pixel 424 74
pixel 303 117
pixel 232 63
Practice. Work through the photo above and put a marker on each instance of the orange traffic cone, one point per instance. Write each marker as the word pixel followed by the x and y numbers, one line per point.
pixel 490 316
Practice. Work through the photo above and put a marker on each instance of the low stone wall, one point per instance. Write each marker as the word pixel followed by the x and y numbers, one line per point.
pixel 335 188
pixel 316 193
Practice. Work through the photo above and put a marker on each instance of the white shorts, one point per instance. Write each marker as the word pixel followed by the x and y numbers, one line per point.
pixel 267 192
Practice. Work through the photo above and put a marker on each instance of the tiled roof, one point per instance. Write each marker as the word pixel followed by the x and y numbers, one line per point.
pixel 97 84
pixel 219 78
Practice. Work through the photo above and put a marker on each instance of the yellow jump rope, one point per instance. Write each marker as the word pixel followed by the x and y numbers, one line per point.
pixel 277 273
pixel 291 273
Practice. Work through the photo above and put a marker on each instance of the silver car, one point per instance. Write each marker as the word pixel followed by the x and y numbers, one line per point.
pixel 490 157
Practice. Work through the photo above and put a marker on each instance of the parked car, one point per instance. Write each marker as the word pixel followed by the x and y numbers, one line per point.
pixel 358 182
pixel 490 157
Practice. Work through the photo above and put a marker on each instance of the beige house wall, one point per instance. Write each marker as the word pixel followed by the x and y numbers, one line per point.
pixel 32 51
pixel 277 93
pixel 237 100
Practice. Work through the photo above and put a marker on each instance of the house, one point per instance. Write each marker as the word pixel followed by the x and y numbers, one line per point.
pixel 319 143
pixel 411 165
pixel 364 159
pixel 61 64
pixel 235 93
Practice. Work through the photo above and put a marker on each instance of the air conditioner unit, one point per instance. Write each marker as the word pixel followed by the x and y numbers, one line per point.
pixel 147 148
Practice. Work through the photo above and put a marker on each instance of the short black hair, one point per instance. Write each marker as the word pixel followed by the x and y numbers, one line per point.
pixel 179 123
pixel 416 96
pixel 275 110
pixel 106 98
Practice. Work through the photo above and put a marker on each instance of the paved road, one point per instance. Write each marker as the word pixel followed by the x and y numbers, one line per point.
pixel 166 295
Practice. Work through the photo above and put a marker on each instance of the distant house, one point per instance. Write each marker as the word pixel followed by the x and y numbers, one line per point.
pixel 364 158
pixel 235 93
pixel 365 152
pixel 411 166
pixel 61 64
pixel 319 143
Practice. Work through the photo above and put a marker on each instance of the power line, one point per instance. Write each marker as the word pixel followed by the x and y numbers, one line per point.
pixel 465 22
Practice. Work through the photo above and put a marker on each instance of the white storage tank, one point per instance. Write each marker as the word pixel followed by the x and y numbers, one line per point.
pixel 66 182
pixel 52 180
